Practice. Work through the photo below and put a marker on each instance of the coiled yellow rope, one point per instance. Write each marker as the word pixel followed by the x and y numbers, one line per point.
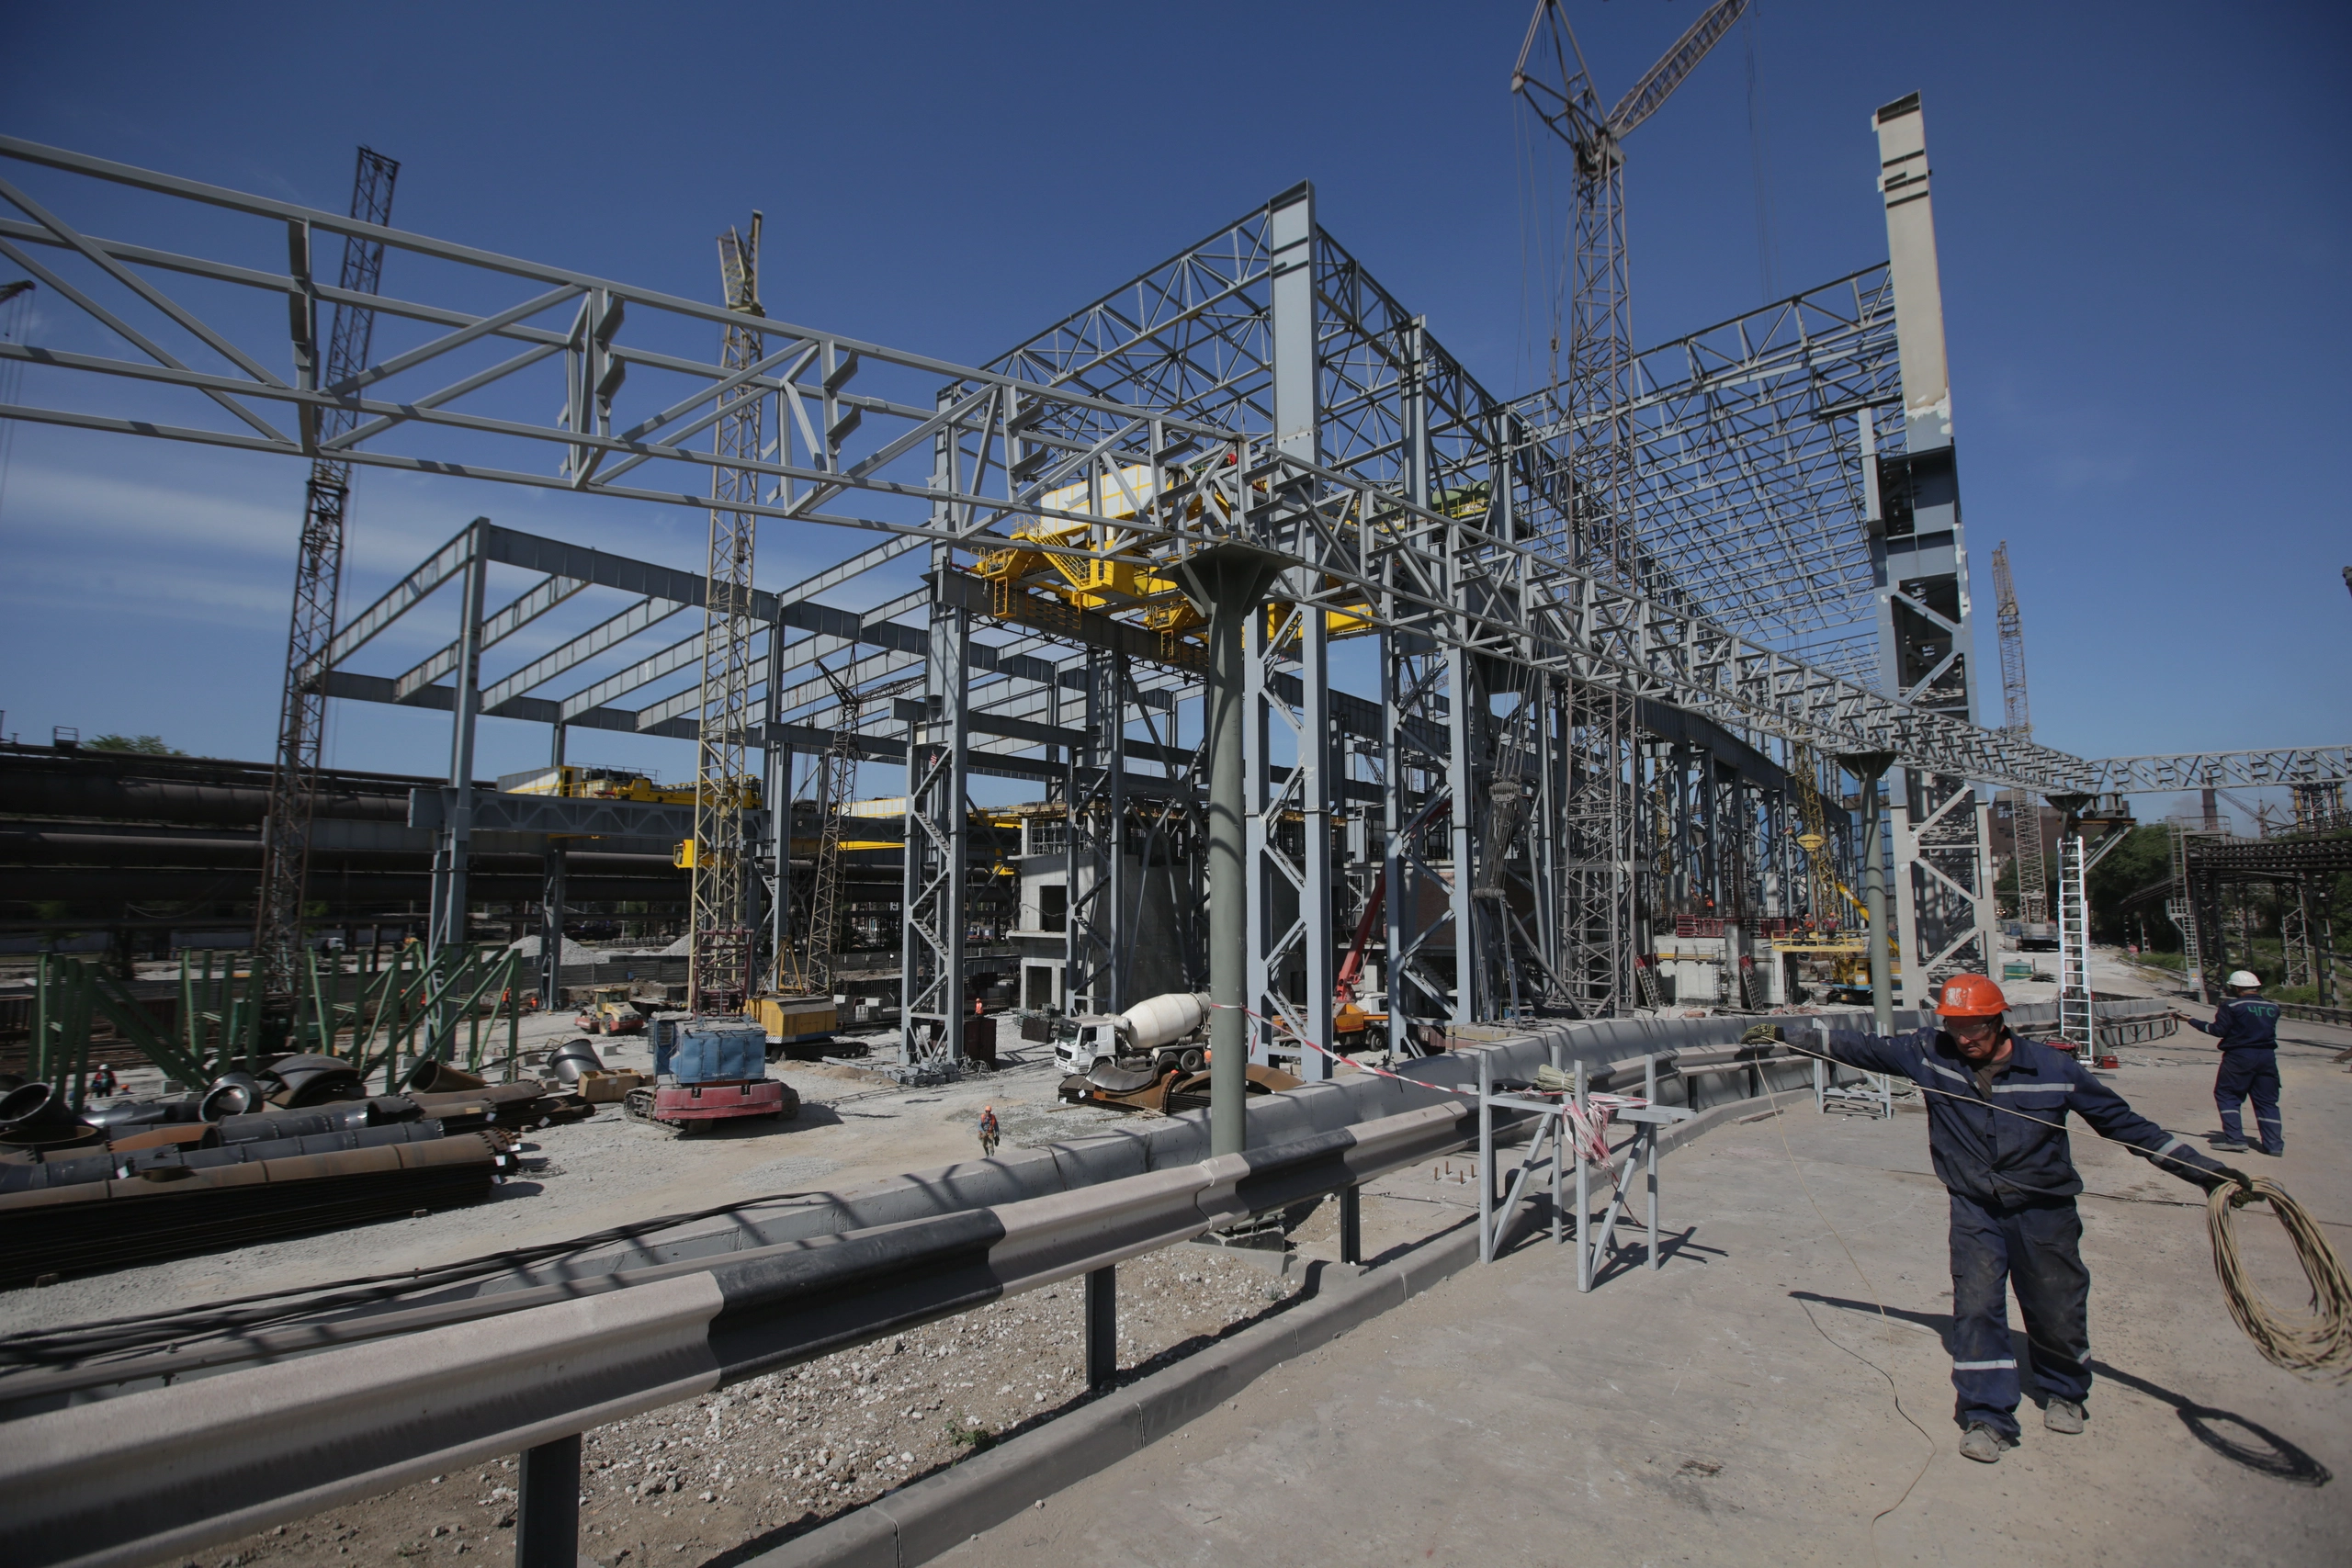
pixel 2318 1347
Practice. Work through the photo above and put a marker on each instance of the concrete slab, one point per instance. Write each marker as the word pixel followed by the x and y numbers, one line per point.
pixel 1751 1402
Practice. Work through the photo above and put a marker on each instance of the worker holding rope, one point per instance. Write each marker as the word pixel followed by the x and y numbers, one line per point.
pixel 1996 1127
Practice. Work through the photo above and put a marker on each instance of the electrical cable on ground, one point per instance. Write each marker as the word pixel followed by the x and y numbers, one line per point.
pixel 1779 1125
pixel 80 1342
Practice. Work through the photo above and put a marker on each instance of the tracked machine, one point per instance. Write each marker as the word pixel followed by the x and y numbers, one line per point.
pixel 709 1070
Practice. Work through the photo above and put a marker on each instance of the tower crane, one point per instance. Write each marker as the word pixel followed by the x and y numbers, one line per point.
pixel 719 973
pixel 2025 809
pixel 318 571
pixel 1590 399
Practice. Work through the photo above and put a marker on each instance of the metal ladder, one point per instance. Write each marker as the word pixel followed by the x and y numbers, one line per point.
pixel 2182 913
pixel 2075 1014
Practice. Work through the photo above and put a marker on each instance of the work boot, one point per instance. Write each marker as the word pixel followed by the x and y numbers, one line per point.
pixel 2063 1415
pixel 1983 1444
pixel 2234 1146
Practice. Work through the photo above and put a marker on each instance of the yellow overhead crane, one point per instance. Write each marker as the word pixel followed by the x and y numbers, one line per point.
pixel 1103 564
pixel 620 784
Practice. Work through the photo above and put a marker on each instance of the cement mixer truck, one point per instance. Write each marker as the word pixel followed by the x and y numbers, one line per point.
pixel 1167 1032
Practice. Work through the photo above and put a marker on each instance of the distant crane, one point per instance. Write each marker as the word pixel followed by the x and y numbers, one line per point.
pixel 718 972
pixel 318 571
pixel 2024 808
pixel 1591 399
pixel 1593 393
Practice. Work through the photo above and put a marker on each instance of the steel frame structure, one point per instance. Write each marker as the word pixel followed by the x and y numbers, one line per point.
pixel 1260 390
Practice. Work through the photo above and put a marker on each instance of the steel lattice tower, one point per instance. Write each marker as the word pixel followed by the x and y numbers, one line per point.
pixel 1592 397
pixel 718 973
pixel 318 577
pixel 2024 808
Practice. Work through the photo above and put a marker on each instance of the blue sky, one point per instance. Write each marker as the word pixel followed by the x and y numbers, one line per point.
pixel 2143 214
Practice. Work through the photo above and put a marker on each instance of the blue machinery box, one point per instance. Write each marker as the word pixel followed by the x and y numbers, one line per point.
pixel 695 1051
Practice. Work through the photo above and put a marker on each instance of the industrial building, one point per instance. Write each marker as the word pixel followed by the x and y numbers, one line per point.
pixel 1582 702
pixel 1225 647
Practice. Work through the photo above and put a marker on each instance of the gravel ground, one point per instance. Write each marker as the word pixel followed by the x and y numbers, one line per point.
pixel 742 1469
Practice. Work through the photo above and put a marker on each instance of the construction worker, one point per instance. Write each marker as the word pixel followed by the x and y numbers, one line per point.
pixel 2245 1032
pixel 1996 1127
pixel 988 1131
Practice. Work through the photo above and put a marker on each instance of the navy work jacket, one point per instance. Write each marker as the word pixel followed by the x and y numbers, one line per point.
pixel 2243 1023
pixel 2006 1160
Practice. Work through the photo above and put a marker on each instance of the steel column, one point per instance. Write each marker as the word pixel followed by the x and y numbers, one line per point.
pixel 551 878
pixel 1868 768
pixel 448 920
pixel 938 746
pixel 1098 938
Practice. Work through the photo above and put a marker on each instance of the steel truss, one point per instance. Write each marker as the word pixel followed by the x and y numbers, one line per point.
pixel 2290 765
pixel 1396 498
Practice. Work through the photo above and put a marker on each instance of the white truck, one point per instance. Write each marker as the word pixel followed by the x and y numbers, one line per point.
pixel 1166 1033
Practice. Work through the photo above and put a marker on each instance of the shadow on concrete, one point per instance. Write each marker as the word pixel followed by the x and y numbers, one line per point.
pixel 2269 1454
pixel 2266 1453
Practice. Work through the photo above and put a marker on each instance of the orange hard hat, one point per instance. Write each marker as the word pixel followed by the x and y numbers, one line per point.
pixel 1971 996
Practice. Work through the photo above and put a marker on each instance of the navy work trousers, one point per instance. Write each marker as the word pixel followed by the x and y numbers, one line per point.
pixel 2037 1249
pixel 2255 1074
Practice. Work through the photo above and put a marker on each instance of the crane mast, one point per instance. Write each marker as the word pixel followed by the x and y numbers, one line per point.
pixel 836 786
pixel 318 571
pixel 718 972
pixel 1590 396
pixel 2016 719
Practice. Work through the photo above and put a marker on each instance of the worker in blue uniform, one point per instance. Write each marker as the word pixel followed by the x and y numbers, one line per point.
pixel 1996 1128
pixel 2245 1032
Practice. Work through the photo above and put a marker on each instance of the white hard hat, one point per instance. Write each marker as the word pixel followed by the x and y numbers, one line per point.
pixel 2244 979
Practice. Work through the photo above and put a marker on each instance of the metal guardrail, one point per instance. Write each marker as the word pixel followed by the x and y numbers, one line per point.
pixel 160 1473
pixel 2340 1016
pixel 165 1472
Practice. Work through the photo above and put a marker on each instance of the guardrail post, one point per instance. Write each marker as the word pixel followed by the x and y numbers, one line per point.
pixel 546 1515
pixel 1486 1158
pixel 1584 1184
pixel 1559 1130
pixel 1352 1225
pixel 1649 1094
pixel 1102 1326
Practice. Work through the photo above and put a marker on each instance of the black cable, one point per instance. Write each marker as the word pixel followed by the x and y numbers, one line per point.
pixel 80 1342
